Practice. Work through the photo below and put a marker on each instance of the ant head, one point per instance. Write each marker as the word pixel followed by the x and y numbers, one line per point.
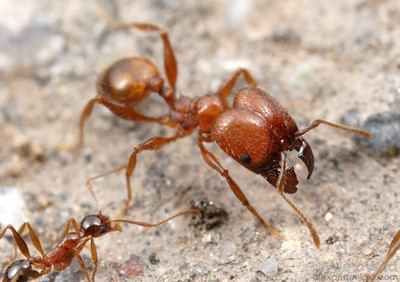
pixel 97 225
pixel 129 81
pixel 20 271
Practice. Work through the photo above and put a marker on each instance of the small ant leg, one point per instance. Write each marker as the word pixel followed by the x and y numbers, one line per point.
pixel 72 221
pixel 151 144
pixel 77 252
pixel 18 240
pixel 317 122
pixel 35 240
pixel 91 179
pixel 146 224
pixel 393 248
pixel 281 190
pixel 93 251
pixel 226 89
pixel 213 162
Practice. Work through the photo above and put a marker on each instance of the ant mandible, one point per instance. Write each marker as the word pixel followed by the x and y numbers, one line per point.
pixel 69 247
pixel 393 248
pixel 255 130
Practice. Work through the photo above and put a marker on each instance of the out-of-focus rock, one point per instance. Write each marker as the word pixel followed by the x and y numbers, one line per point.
pixel 13 209
pixel 385 128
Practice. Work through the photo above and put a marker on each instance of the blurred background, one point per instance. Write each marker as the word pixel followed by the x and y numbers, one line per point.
pixel 337 60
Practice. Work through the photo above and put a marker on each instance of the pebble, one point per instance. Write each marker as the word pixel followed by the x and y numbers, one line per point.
pixel 385 127
pixel 269 266
pixel 13 209
pixel 328 216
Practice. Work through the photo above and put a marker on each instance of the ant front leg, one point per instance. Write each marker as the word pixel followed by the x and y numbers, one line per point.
pixel 78 257
pixel 281 189
pixel 317 122
pixel 214 163
pixel 226 89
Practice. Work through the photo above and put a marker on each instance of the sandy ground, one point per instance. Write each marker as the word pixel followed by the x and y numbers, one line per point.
pixel 338 60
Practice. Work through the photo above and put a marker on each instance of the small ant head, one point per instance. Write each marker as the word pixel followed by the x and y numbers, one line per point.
pixel 20 271
pixel 129 81
pixel 97 225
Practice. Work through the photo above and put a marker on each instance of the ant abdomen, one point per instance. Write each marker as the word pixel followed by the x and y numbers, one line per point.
pixel 129 81
pixel 19 271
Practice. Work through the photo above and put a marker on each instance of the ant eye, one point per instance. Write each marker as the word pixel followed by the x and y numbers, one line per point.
pixel 245 158
pixel 102 229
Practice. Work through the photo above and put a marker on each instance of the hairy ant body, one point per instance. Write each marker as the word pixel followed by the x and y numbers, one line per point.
pixel 69 247
pixel 393 248
pixel 256 130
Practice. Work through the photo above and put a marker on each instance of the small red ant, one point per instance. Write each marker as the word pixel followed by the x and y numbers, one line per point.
pixel 69 247
pixel 255 130
pixel 393 248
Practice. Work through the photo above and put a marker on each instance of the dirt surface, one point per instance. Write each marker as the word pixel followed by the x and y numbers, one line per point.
pixel 338 60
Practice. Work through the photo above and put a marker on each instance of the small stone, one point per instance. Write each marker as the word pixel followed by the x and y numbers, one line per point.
pixel 13 209
pixel 328 217
pixel 332 240
pixel 153 258
pixel 37 152
pixel 134 266
pixel 385 128
pixel 269 266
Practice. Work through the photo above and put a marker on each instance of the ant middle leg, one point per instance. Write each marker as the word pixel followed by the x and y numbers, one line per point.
pixel 226 89
pixel 317 122
pixel 152 144
pixel 213 162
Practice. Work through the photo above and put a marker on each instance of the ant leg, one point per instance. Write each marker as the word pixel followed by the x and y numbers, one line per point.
pixel 281 189
pixel 121 111
pixel 91 179
pixel 93 252
pixel 151 144
pixel 18 240
pixel 35 240
pixel 226 89
pixel 393 248
pixel 77 252
pixel 317 122
pixel 72 221
pixel 213 162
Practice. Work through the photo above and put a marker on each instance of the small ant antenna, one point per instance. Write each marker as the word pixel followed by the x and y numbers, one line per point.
pixel 146 224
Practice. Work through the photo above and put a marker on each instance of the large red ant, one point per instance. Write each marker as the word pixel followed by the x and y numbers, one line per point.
pixel 69 247
pixel 255 130
pixel 393 248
